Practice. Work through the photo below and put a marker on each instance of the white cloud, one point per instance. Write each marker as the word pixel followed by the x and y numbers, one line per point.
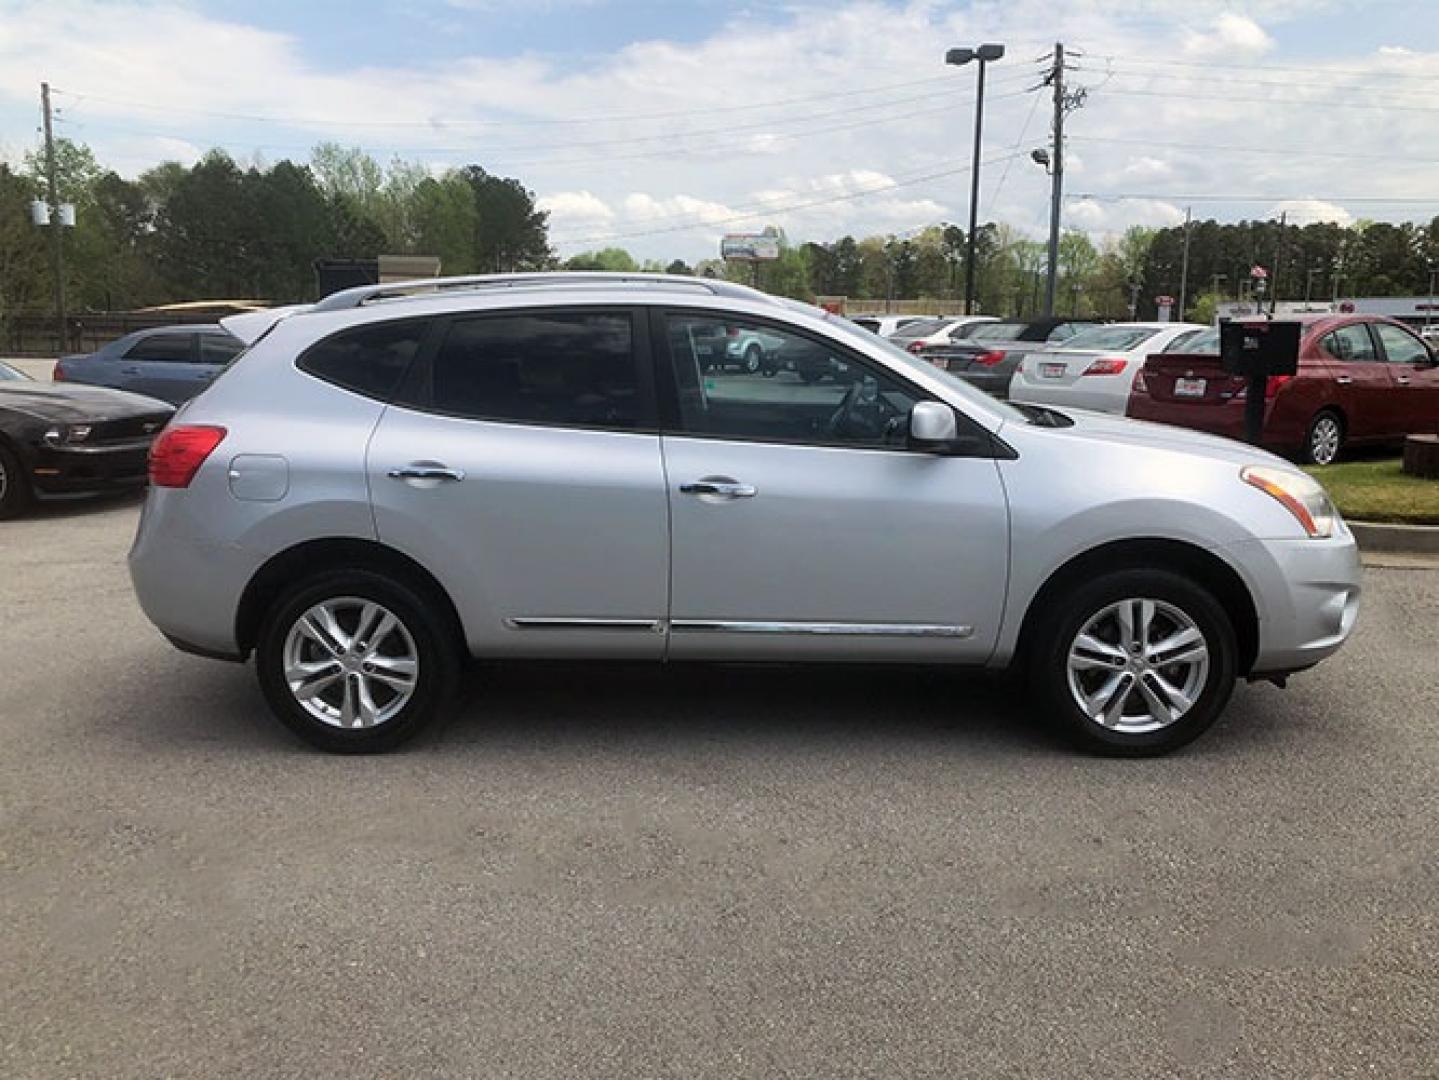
pixel 1232 37
pixel 1307 211
pixel 576 209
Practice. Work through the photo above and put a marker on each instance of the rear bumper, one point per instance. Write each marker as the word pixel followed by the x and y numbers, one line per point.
pixel 1078 395
pixel 1306 593
pixel 994 383
pixel 1225 419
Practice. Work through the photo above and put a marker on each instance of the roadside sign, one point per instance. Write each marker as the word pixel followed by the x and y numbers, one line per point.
pixel 750 247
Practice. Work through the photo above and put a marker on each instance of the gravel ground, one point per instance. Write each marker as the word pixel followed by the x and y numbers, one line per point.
pixel 727 872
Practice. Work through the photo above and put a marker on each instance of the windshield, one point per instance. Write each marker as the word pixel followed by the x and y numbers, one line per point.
pixel 995 331
pixel 1196 342
pixel 908 362
pixel 1105 338
pixel 922 328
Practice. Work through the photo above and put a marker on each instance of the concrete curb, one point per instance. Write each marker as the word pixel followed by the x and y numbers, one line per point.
pixel 1396 539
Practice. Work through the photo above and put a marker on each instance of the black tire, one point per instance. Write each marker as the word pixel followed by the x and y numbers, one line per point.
pixel 1062 622
pixel 1318 439
pixel 810 375
pixel 436 642
pixel 753 360
pixel 15 494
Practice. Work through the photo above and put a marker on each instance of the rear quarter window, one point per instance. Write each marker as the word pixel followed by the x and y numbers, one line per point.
pixel 369 360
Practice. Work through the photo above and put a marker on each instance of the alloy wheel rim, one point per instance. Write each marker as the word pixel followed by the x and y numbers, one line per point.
pixel 1137 665
pixel 351 663
pixel 1324 443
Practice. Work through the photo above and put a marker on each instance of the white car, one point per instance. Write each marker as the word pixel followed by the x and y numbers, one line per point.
pixel 886 325
pixel 917 335
pixel 1094 369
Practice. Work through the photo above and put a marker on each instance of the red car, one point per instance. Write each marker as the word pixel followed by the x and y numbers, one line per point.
pixel 1362 379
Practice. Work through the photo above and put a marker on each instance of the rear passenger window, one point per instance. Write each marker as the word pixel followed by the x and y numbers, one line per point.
pixel 565 369
pixel 1350 343
pixel 218 348
pixel 162 348
pixel 369 360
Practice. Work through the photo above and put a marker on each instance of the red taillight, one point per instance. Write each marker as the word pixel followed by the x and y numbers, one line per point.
pixel 58 375
pixel 1273 383
pixel 915 347
pixel 732 331
pixel 177 454
pixel 989 359
pixel 1141 385
pixel 1109 365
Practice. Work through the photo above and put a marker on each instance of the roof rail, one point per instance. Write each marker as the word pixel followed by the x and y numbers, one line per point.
pixel 398 290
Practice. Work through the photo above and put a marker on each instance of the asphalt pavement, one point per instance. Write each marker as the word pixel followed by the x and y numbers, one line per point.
pixel 725 872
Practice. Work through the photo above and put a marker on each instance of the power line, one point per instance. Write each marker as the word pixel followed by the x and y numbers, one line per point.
pixel 433 122
pixel 1224 99
pixel 1311 69
pixel 1286 151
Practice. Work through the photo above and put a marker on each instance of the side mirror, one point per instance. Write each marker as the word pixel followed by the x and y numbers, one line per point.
pixel 932 427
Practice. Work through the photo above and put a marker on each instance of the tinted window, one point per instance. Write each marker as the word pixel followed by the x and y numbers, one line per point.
pixel 922 328
pixel 369 360
pixel 813 394
pixel 1350 343
pixel 1063 332
pixel 1400 346
pixel 1118 338
pixel 872 325
pixel 162 348
pixel 1196 343
pixel 563 369
pixel 219 348
pixel 996 331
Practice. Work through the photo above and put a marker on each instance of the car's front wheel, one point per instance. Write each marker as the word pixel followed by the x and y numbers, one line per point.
pixel 355 662
pixel 1135 662
pixel 753 360
pixel 14 487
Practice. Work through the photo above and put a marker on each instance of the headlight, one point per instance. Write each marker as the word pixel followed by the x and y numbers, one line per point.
pixel 1301 494
pixel 71 433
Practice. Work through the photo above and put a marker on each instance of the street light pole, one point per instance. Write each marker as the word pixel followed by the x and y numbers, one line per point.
pixel 959 57
pixel 57 249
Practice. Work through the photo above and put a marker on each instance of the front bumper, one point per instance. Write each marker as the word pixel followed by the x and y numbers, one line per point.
pixel 73 470
pixel 1306 593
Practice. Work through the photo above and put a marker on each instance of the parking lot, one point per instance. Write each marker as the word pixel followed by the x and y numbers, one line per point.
pixel 720 872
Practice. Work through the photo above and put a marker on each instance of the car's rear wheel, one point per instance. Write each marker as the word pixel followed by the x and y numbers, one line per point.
pixel 14 486
pixel 753 359
pixel 1323 438
pixel 1136 662
pixel 355 662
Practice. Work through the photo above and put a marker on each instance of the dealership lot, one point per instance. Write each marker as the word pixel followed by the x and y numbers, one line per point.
pixel 718 872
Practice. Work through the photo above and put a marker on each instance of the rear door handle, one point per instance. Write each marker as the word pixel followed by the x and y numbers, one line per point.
pixel 1344 380
pixel 422 471
pixel 1402 380
pixel 129 371
pixel 722 486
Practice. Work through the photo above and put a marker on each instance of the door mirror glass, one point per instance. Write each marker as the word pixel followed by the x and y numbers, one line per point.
pixel 932 426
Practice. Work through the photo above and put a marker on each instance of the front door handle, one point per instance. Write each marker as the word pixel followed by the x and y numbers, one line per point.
pixel 1402 380
pixel 425 471
pixel 1344 380
pixel 721 486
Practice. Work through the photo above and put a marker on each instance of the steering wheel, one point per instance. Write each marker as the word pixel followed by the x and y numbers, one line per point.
pixel 858 416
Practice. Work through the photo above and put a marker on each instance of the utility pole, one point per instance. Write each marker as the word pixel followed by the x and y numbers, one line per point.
pixel 1056 177
pixel 974 197
pixel 1134 287
pixel 1184 265
pixel 57 254
pixel 1278 254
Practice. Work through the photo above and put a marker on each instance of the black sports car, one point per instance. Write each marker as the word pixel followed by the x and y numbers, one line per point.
pixel 61 439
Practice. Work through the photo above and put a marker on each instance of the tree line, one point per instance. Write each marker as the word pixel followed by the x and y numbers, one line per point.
pixel 221 230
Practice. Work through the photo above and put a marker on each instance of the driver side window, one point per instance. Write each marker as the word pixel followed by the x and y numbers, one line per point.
pixel 741 380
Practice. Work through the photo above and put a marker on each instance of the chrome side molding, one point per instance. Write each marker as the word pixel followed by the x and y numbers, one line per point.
pixel 545 623
pixel 822 628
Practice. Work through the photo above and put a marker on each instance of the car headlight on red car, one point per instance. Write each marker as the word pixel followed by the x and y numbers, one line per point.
pixel 1300 494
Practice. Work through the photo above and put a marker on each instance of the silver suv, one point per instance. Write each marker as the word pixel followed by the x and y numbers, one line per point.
pixel 401 477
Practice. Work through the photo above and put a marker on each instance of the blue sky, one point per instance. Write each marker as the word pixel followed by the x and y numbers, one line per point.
pixel 661 125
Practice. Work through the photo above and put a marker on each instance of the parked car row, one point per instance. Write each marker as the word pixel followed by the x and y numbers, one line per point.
pixel 172 363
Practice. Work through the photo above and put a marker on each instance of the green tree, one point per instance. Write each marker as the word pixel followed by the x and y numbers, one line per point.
pixel 512 232
pixel 613 258
pixel 679 266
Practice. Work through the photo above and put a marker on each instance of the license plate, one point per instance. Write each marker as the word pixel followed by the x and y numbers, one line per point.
pixel 1051 371
pixel 1189 387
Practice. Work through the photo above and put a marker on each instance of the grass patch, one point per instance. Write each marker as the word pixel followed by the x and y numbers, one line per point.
pixel 1379 491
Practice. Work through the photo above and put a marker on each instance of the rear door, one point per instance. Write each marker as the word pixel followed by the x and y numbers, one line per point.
pixel 164 365
pixel 521 463
pixel 1416 380
pixel 1363 386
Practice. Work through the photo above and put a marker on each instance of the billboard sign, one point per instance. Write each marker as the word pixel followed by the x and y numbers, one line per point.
pixel 749 247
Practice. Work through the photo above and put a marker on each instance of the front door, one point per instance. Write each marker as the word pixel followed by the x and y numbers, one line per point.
pixel 521 465
pixel 801 523
pixel 1416 380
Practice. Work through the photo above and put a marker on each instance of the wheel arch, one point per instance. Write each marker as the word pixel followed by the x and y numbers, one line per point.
pixel 335 553
pixel 1154 553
